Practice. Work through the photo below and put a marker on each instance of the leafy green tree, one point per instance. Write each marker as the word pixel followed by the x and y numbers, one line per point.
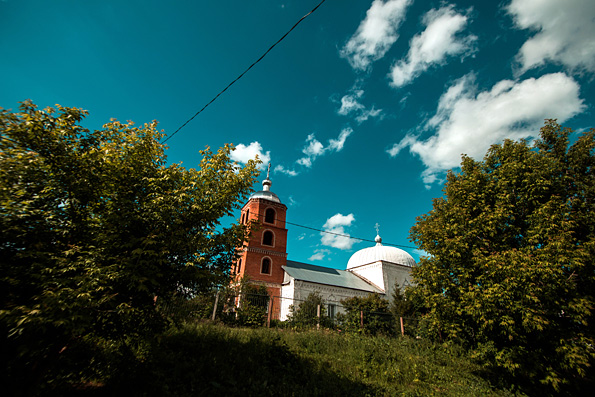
pixel 95 227
pixel 182 309
pixel 306 313
pixel 400 305
pixel 402 309
pixel 376 311
pixel 253 305
pixel 510 271
pixel 408 305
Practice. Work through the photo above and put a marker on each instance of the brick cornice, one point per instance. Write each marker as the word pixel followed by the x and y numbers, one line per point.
pixel 266 252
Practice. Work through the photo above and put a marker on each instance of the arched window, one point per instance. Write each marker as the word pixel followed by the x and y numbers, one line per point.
pixel 265 267
pixel 268 238
pixel 247 216
pixel 269 215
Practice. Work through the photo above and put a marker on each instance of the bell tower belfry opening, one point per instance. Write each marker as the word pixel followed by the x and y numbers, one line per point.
pixel 265 253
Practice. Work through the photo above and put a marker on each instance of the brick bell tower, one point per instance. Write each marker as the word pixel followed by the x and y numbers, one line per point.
pixel 263 256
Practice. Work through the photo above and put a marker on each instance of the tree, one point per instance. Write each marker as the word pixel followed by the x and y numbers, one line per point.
pixel 253 305
pixel 401 305
pixel 306 313
pixel 94 227
pixel 376 312
pixel 510 271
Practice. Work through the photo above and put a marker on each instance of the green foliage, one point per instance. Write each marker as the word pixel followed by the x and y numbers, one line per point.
pixel 253 305
pixel 183 309
pixel 95 225
pixel 306 313
pixel 510 271
pixel 401 306
pixel 376 312
pixel 206 360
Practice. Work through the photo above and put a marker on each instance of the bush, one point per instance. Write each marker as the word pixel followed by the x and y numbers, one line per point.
pixel 253 306
pixel 306 313
pixel 377 318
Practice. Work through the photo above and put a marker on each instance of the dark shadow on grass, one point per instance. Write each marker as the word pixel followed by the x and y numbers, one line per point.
pixel 213 361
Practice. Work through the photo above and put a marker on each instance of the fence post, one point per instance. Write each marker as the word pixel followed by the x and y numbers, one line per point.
pixel 318 316
pixel 270 312
pixel 215 307
pixel 361 319
pixel 402 328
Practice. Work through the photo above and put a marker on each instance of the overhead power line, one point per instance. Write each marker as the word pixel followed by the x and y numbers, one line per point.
pixel 259 215
pixel 243 73
pixel 348 236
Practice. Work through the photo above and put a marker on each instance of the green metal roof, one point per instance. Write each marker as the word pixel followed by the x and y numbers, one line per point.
pixel 324 275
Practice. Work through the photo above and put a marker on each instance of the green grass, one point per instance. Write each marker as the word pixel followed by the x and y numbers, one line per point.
pixel 206 359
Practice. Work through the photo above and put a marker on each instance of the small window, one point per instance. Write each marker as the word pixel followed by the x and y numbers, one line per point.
pixel 247 219
pixel 331 310
pixel 269 215
pixel 265 268
pixel 267 238
pixel 239 268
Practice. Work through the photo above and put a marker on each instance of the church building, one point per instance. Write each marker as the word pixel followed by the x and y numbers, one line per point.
pixel 263 260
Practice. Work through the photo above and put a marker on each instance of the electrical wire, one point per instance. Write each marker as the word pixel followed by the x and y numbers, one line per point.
pixel 348 236
pixel 337 234
pixel 244 72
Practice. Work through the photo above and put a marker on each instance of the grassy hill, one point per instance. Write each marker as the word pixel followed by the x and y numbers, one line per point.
pixel 206 359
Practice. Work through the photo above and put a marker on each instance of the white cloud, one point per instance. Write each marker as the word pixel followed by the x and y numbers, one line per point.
pixel 314 148
pixel 469 122
pixel 433 45
pixel 376 33
pixel 337 144
pixel 421 253
pixel 366 114
pixel 565 32
pixel 350 104
pixel 319 254
pixel 339 239
pixel 405 142
pixel 338 220
pixel 285 171
pixel 243 153
pixel 305 161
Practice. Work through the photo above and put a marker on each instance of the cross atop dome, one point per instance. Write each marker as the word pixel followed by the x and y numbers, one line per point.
pixel 266 184
pixel 266 193
pixel 378 239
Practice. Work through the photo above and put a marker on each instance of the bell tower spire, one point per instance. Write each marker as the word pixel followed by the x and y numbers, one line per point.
pixel 266 184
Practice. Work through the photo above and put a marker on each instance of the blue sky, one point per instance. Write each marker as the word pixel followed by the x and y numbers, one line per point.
pixel 360 110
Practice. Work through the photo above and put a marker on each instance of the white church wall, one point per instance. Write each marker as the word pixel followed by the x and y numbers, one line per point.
pixel 395 274
pixel 372 272
pixel 297 291
pixel 287 296
pixel 384 275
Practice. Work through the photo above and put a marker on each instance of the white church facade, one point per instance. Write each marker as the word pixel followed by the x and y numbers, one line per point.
pixel 377 269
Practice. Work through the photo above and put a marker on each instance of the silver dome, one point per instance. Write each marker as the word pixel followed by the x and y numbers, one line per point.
pixel 266 194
